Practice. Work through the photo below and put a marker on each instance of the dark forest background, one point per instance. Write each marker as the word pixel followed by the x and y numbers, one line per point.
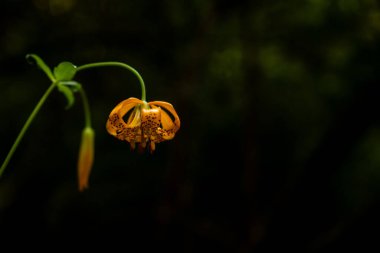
pixel 279 148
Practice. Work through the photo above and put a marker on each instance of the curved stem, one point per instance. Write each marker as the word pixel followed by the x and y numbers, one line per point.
pixel 86 108
pixel 26 126
pixel 117 64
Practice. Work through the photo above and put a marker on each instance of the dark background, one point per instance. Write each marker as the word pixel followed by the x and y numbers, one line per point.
pixel 279 147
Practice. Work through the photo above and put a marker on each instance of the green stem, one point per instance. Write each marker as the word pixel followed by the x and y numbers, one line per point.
pixel 117 64
pixel 26 126
pixel 86 108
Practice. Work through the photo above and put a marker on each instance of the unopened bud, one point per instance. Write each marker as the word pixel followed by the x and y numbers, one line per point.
pixel 86 157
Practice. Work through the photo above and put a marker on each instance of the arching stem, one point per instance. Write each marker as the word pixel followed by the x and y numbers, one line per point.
pixel 117 64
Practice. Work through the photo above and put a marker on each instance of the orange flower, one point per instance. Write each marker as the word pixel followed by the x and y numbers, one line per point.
pixel 148 123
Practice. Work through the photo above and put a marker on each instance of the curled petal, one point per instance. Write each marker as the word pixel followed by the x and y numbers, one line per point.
pixel 166 121
pixel 171 109
pixel 115 123
pixel 168 127
pixel 124 106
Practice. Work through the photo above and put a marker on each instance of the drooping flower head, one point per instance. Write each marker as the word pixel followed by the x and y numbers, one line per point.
pixel 147 123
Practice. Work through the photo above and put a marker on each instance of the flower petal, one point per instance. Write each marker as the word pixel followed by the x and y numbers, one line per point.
pixel 150 121
pixel 168 130
pixel 115 123
pixel 166 122
pixel 171 109
pixel 168 127
pixel 124 106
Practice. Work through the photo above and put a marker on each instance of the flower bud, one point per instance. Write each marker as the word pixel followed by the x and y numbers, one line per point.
pixel 86 157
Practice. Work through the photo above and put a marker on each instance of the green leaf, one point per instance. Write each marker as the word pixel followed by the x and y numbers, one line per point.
pixel 69 94
pixel 73 85
pixel 65 71
pixel 40 63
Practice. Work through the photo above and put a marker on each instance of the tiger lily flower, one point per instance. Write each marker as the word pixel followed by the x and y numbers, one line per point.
pixel 147 123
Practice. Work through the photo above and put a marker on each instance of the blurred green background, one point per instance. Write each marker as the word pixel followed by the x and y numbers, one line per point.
pixel 279 147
